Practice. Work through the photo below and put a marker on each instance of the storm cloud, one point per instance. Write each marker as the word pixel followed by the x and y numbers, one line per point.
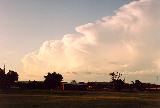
pixel 128 41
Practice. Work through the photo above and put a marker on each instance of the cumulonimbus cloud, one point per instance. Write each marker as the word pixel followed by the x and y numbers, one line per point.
pixel 129 42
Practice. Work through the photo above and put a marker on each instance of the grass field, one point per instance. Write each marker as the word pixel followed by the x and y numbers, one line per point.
pixel 50 99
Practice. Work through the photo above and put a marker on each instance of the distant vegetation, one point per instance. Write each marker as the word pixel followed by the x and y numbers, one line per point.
pixel 53 80
pixel 7 80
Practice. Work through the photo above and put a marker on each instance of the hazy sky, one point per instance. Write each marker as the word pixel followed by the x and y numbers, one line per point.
pixel 26 24
pixel 82 39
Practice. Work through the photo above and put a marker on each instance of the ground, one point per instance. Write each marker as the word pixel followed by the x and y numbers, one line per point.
pixel 50 99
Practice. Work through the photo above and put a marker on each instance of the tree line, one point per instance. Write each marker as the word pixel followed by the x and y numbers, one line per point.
pixel 53 80
pixel 10 79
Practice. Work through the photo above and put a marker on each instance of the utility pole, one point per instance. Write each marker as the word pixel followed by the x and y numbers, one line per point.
pixel 4 69
pixel 157 78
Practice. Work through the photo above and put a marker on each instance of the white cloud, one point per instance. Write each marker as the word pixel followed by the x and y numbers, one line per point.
pixel 127 41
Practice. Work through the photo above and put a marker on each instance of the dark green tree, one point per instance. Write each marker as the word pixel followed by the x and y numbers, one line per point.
pixel 53 80
pixel 73 82
pixel 116 82
pixel 11 77
pixel 138 85
pixel 2 79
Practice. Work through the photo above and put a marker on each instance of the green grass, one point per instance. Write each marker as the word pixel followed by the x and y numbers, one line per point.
pixel 50 99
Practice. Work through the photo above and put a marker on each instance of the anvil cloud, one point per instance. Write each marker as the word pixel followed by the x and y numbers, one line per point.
pixel 128 42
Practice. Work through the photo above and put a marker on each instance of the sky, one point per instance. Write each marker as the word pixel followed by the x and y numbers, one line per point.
pixel 83 40
pixel 26 24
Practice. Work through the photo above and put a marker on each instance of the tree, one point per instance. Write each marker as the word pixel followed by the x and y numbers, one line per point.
pixel 53 80
pixel 115 76
pixel 11 77
pixel 73 82
pixel 117 83
pixel 2 78
pixel 138 85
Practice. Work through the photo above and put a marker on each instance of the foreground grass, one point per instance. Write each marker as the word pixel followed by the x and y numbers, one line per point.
pixel 49 99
